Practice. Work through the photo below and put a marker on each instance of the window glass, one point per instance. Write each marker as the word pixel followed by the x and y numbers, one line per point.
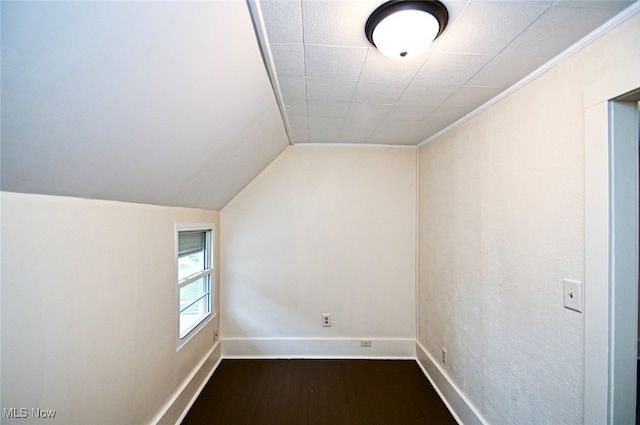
pixel 189 265
pixel 195 274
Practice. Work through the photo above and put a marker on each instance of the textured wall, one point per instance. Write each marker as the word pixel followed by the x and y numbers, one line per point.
pixel 88 309
pixel 501 223
pixel 323 229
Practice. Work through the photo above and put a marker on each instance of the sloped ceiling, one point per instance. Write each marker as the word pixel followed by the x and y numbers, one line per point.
pixel 335 87
pixel 163 103
pixel 170 103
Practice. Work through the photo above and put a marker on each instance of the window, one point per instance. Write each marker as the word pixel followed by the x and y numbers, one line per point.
pixel 195 278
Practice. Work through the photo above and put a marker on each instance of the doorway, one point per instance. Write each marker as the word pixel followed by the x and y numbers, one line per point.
pixel 623 258
pixel 611 252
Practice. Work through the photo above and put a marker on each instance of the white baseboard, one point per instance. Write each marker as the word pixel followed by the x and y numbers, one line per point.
pixel 459 405
pixel 177 407
pixel 324 348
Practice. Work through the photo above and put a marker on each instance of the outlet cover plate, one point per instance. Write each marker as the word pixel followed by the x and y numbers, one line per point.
pixel 573 295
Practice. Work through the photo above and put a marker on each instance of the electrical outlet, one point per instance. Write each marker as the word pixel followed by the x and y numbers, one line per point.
pixel 365 343
pixel 326 320
pixel 443 356
pixel 215 335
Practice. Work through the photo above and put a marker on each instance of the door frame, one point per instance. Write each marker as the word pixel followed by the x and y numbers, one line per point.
pixel 611 247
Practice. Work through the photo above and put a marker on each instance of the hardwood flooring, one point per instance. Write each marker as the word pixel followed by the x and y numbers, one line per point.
pixel 318 392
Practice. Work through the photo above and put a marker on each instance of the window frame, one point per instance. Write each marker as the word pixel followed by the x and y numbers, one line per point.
pixel 210 272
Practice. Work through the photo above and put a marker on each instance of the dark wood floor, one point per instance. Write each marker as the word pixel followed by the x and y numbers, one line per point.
pixel 318 392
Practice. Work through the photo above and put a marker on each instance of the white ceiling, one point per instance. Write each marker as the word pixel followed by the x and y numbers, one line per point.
pixel 169 102
pixel 135 101
pixel 334 87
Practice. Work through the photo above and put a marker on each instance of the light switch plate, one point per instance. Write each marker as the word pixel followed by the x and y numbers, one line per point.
pixel 573 295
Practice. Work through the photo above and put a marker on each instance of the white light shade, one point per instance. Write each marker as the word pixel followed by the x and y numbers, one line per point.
pixel 405 34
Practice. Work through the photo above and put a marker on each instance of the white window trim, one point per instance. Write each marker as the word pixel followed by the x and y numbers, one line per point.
pixel 210 247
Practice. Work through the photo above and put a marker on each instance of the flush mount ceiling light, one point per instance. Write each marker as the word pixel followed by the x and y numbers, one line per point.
pixel 402 29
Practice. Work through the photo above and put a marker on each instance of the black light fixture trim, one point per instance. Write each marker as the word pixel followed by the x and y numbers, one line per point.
pixel 435 8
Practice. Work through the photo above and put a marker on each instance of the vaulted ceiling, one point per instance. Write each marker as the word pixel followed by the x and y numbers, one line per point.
pixel 335 87
pixel 162 103
pixel 171 103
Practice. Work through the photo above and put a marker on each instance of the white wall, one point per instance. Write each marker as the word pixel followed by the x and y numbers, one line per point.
pixel 88 310
pixel 322 230
pixel 501 223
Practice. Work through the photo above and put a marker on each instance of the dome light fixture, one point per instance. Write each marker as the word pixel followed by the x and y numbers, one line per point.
pixel 403 29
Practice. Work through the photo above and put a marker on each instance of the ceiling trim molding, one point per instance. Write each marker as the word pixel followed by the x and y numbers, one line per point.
pixel 612 23
pixel 255 10
pixel 354 145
